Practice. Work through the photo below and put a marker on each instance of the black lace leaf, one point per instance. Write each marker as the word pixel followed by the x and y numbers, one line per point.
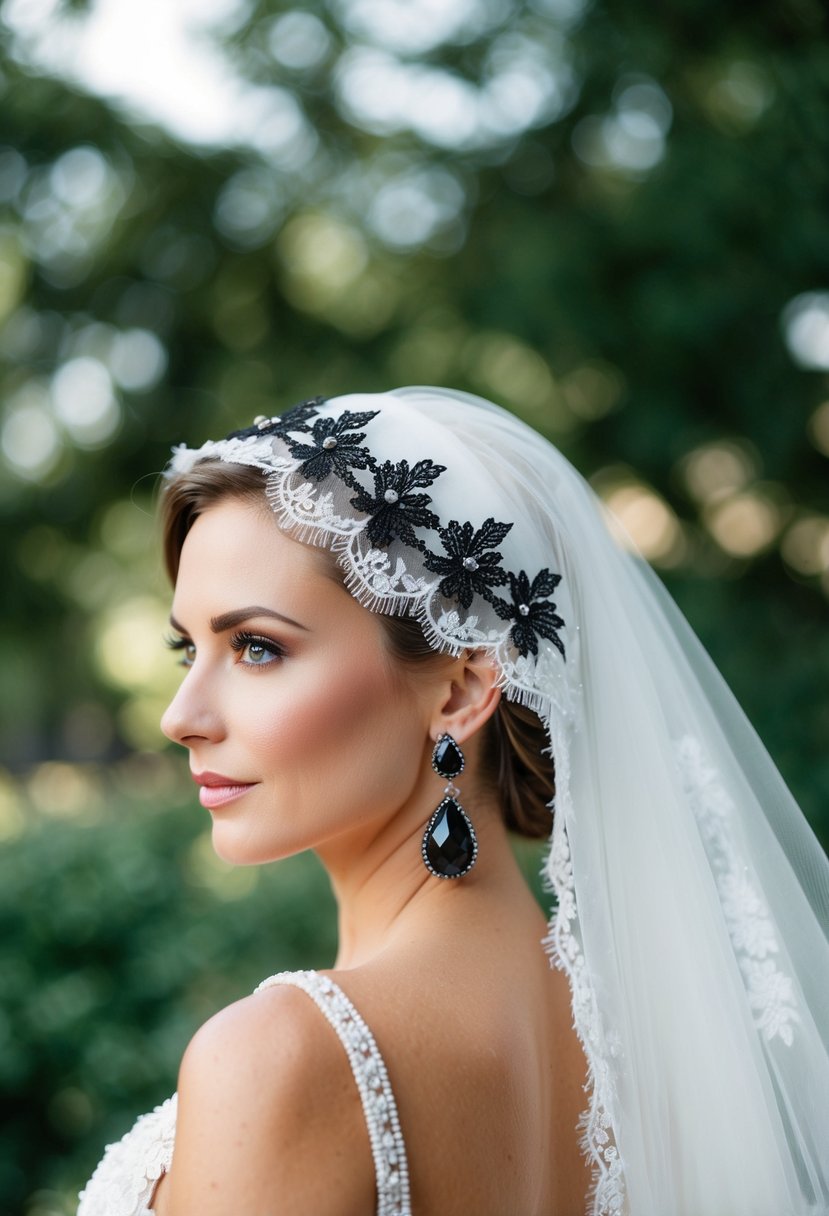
pixel 334 447
pixel 472 564
pixel 294 419
pixel 532 614
pixel 544 583
pixel 394 510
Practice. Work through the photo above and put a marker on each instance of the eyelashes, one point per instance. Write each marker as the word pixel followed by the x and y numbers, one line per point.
pixel 182 644
pixel 262 651
pixel 256 646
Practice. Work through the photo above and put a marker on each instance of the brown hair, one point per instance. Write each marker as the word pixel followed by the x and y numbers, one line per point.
pixel 515 754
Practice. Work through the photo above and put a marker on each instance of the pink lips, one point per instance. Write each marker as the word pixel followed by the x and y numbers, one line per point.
pixel 216 790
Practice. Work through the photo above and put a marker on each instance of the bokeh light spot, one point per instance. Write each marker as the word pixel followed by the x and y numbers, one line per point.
pixel 647 521
pixel 323 256
pixel 410 208
pixel 631 138
pixel 13 169
pixel 299 40
pixel 593 389
pixel 740 96
pixel 79 177
pixel 30 439
pixel 805 545
pixel 806 328
pixel 137 360
pixel 249 207
pixel 82 394
pixel 130 650
pixel 714 471
pixel 744 524
pixel 60 789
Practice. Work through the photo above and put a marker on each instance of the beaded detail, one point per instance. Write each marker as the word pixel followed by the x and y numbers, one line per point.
pixel 127 1176
pixel 368 1066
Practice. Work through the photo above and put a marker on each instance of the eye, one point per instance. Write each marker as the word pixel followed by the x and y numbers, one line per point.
pixel 256 651
pixel 186 646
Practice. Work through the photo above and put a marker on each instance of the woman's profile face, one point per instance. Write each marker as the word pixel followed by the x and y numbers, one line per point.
pixel 299 729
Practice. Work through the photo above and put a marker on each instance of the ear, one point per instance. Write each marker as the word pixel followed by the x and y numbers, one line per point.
pixel 469 700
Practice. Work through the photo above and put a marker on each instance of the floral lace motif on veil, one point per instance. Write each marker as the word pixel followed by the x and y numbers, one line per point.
pixel 770 991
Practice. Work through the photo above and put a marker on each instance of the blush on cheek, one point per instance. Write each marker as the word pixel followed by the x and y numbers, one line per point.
pixel 350 726
pixel 342 741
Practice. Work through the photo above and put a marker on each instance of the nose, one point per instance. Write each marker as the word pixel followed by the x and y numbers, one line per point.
pixel 190 717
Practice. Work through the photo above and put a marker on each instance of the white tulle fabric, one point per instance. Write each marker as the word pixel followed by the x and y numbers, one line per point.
pixel 692 896
pixel 126 1178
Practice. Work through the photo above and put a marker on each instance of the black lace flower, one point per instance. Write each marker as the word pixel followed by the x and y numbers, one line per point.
pixel 533 614
pixel 294 419
pixel 395 511
pixel 472 564
pixel 334 447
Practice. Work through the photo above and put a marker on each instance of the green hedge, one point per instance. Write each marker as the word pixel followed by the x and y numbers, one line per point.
pixel 117 939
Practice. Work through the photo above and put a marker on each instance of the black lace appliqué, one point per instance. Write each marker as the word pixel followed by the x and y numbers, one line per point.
pixel 335 447
pixel 294 419
pixel 394 510
pixel 472 564
pixel 532 612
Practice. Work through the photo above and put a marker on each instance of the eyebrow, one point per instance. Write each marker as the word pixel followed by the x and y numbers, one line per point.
pixel 228 620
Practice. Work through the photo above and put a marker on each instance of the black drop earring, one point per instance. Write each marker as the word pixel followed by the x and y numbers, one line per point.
pixel 450 846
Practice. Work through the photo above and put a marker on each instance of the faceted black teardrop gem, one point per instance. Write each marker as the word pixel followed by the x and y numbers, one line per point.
pixel 447 758
pixel 449 842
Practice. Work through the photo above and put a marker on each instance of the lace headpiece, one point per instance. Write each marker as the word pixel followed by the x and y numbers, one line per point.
pixel 370 485
pixel 692 899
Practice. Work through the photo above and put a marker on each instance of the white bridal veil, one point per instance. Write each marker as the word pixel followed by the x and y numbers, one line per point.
pixel 692 896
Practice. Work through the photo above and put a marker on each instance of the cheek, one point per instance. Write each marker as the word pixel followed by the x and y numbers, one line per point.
pixel 343 732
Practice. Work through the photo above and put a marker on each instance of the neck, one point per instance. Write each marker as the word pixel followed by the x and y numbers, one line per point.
pixel 385 895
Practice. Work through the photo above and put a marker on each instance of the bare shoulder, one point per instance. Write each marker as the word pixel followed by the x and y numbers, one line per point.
pixel 268 1115
pixel 274 1035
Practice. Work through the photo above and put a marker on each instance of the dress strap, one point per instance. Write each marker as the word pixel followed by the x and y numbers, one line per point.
pixel 369 1069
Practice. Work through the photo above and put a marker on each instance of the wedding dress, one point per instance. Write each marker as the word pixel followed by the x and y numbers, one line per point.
pixel 126 1178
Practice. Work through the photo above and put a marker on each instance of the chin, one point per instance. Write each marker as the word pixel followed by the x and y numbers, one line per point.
pixel 238 849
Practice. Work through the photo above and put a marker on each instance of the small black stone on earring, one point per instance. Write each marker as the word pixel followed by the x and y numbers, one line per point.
pixel 450 846
pixel 447 758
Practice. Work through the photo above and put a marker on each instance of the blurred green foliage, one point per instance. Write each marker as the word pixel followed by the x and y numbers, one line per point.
pixel 119 936
pixel 609 218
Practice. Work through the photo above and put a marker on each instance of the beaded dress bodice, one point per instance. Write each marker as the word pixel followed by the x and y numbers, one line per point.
pixel 125 1180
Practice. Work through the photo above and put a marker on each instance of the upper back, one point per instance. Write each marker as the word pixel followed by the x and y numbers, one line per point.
pixel 482 1060
pixel 489 1077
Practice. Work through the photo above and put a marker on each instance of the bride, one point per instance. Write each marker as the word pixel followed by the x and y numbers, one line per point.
pixel 408 630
